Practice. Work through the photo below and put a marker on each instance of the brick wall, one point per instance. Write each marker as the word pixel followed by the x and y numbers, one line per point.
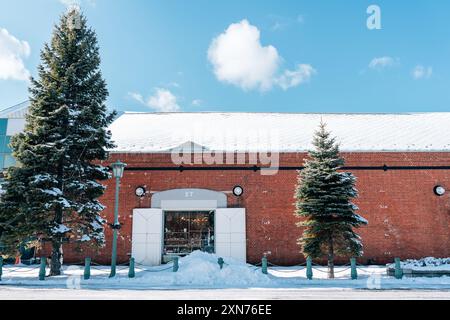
pixel 406 219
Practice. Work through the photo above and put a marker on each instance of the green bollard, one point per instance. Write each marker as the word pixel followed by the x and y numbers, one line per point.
pixel 131 272
pixel 175 264
pixel 398 273
pixel 354 272
pixel 87 268
pixel 220 262
pixel 1 267
pixel 309 272
pixel 264 265
pixel 42 269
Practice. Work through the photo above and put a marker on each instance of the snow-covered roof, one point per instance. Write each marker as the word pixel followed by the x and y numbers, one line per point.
pixel 15 112
pixel 279 132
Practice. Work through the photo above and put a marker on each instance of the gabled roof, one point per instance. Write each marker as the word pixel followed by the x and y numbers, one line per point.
pixel 15 112
pixel 281 132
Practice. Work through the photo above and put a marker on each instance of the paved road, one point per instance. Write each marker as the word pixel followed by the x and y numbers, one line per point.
pixel 13 293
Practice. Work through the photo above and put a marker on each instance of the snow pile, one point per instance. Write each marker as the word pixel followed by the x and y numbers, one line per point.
pixel 201 269
pixel 428 263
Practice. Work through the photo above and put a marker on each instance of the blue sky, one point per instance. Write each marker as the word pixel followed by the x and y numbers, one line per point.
pixel 256 56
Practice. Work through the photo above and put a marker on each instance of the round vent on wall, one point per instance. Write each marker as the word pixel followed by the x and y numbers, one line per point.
pixel 439 191
pixel 238 191
pixel 140 191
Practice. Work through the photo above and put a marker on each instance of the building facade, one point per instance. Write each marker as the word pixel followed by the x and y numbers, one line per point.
pixel 177 195
pixel 225 183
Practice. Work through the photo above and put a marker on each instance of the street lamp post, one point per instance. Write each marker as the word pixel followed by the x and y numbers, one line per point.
pixel 118 168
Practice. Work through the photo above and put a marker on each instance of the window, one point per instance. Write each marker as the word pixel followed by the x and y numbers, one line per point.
pixel 3 126
pixel 4 144
pixel 6 159
pixel 187 231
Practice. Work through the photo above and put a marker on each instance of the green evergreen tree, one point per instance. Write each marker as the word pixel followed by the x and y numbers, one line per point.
pixel 53 193
pixel 324 199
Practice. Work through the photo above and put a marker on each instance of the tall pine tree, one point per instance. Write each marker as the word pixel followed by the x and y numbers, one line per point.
pixel 53 193
pixel 324 198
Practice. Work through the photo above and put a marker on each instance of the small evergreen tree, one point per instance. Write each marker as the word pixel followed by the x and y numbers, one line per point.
pixel 53 193
pixel 324 201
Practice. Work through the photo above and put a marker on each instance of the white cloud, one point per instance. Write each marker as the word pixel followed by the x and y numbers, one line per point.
pixel 77 3
pixel 280 23
pixel 421 72
pixel 137 96
pixel 70 3
pixel 12 52
pixel 293 78
pixel 382 62
pixel 277 26
pixel 162 101
pixel 174 84
pixel 196 102
pixel 239 58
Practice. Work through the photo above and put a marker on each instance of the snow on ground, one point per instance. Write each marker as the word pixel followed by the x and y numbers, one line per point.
pixel 201 271
pixel 426 264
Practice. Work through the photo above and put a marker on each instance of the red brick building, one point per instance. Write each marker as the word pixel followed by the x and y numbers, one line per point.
pixel 402 165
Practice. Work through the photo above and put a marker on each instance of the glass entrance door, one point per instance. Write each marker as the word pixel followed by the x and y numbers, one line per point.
pixel 187 231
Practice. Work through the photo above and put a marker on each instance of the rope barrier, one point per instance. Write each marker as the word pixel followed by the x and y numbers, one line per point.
pixel 361 265
pixel 366 272
pixel 101 270
pixel 6 270
pixel 104 269
pixel 122 268
pixel 147 270
pixel 288 271
pixel 97 264
pixel 77 263
pixel 95 268
pixel 275 265
pixel 346 269
pixel 160 270
pixel 336 266
pixel 140 264
pixel 254 265
pixel 317 269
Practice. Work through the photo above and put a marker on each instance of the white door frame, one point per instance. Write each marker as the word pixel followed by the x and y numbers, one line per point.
pixel 193 200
